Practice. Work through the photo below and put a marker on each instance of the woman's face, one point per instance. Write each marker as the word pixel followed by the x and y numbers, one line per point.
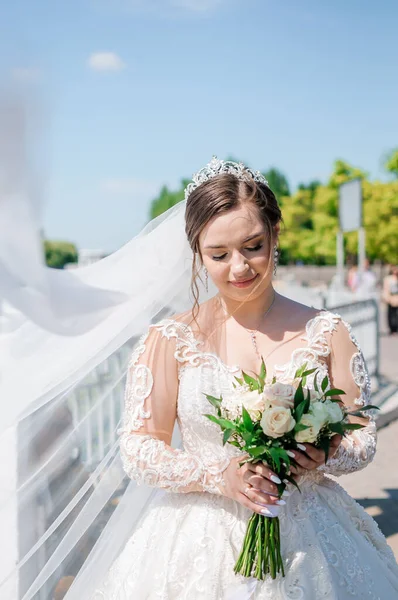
pixel 235 250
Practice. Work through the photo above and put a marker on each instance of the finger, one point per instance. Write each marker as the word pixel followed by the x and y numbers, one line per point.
pixel 335 441
pixel 268 511
pixel 260 483
pixel 264 470
pixel 302 460
pixel 296 471
pixel 262 499
pixel 316 454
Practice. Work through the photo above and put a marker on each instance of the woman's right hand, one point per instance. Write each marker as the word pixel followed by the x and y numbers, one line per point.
pixel 253 486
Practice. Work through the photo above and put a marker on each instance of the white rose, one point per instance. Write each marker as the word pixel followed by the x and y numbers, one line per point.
pixel 320 412
pixel 280 394
pixel 277 421
pixel 253 403
pixel 334 411
pixel 310 434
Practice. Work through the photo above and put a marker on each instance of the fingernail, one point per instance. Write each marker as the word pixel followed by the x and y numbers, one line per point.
pixel 271 511
pixel 285 493
pixel 290 453
pixel 301 447
pixel 275 479
pixel 286 481
pixel 280 502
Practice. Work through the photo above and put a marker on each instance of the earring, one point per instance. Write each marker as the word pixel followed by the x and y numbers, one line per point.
pixel 276 258
pixel 206 280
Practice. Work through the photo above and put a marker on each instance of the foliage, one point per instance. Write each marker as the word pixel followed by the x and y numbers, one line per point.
pixel 58 254
pixel 278 183
pixel 311 214
pixel 391 162
pixel 167 199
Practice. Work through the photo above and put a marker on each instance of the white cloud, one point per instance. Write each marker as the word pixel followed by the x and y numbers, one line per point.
pixel 26 74
pixel 105 61
pixel 129 187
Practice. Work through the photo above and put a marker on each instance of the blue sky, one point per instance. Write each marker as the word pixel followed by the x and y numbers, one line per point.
pixel 137 93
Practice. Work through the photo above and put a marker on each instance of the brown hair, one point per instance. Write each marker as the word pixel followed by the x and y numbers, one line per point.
pixel 219 195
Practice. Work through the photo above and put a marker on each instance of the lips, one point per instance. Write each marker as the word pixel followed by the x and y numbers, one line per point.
pixel 243 282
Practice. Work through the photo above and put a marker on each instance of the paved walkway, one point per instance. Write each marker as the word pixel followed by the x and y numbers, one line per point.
pixel 376 487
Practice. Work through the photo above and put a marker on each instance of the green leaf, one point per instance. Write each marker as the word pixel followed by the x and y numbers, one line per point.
pixel 227 435
pixel 236 444
pixel 367 407
pixel 337 428
pixel 239 380
pixel 309 372
pixel 352 426
pixel 247 422
pixel 257 451
pixel 275 456
pixel 300 427
pixel 316 388
pixel 324 383
pixel 247 436
pixel 300 371
pixel 216 402
pixel 263 370
pixel 224 423
pixel 299 395
pixel 252 383
pixel 291 480
pixel 324 443
pixel 299 410
pixel 335 392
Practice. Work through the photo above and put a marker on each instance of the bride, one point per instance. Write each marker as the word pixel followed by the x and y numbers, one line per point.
pixel 188 540
pixel 182 542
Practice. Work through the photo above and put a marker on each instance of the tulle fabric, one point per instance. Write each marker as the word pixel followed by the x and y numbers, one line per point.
pixel 65 342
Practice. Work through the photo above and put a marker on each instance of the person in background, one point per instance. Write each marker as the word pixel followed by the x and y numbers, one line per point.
pixel 390 296
pixel 352 278
pixel 366 282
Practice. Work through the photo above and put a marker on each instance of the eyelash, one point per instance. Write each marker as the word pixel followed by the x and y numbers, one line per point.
pixel 253 249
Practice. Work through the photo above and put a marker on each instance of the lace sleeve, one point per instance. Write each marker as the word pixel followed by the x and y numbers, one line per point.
pixel 149 417
pixel 348 372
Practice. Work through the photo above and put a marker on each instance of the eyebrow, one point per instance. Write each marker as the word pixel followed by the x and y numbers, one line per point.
pixel 248 239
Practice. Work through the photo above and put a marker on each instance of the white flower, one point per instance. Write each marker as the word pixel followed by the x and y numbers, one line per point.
pixel 277 421
pixel 320 412
pixel 253 403
pixel 317 417
pixel 280 394
pixel 310 434
pixel 334 411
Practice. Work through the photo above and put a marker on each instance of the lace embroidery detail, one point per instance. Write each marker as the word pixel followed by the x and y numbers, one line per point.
pixel 138 388
pixel 359 371
pixel 150 461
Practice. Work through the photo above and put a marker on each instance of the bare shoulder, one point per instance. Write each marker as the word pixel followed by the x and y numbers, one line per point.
pixel 295 314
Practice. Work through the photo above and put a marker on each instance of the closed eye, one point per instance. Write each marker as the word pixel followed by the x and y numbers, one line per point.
pixel 252 249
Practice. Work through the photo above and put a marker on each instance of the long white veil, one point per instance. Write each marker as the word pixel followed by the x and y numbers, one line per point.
pixel 66 508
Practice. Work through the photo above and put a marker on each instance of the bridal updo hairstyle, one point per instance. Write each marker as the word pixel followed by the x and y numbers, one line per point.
pixel 218 195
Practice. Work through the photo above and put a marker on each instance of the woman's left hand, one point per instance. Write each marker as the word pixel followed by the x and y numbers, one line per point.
pixel 310 457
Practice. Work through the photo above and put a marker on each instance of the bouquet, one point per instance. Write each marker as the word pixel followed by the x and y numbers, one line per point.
pixel 266 420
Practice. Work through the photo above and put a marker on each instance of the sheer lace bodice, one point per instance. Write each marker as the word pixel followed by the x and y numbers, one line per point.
pixel 186 544
pixel 169 374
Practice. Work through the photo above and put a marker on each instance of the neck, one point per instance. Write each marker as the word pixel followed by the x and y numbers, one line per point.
pixel 249 312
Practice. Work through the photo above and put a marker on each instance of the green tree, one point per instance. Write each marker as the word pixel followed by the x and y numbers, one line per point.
pixel 167 199
pixel 58 254
pixel 278 183
pixel 391 162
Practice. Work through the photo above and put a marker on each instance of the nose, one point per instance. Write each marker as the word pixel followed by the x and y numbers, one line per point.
pixel 239 265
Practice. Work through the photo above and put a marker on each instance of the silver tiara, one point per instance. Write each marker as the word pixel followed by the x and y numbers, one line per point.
pixel 220 167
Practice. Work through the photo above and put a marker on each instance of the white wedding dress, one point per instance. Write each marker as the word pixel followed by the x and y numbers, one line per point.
pixel 186 544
